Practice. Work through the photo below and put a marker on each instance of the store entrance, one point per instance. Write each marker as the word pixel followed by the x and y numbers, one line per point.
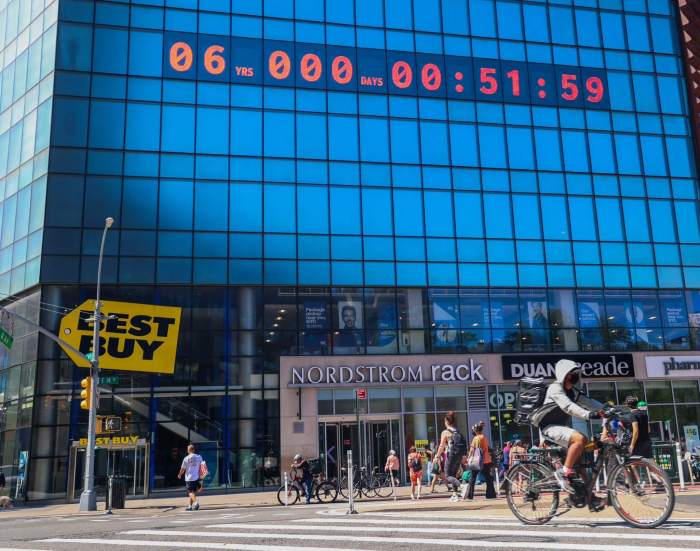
pixel 129 462
pixel 376 438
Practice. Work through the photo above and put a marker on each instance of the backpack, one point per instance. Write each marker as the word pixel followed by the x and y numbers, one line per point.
pixel 416 464
pixel 531 395
pixel 315 466
pixel 458 445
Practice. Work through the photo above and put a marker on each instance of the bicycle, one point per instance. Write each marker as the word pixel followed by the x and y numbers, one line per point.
pixel 637 488
pixel 325 491
pixel 363 484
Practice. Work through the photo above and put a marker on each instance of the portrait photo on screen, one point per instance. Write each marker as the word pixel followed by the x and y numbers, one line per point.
pixel 537 315
pixel 349 315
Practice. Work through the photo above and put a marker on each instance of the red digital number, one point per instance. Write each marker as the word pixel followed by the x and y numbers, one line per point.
pixel 310 67
pixel 181 57
pixel 595 87
pixel 401 74
pixel 341 69
pixel 431 77
pixel 214 63
pixel 514 75
pixel 568 84
pixel 489 82
pixel 279 64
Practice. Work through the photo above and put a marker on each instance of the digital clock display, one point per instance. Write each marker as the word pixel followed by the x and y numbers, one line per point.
pixel 277 63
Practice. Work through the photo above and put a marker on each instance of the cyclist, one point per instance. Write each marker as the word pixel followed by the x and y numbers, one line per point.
pixel 307 478
pixel 564 400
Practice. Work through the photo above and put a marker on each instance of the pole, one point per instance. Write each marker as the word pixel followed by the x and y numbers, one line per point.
pixel 109 501
pixel 286 490
pixel 88 499
pixel 679 462
pixel 351 486
pixel 359 434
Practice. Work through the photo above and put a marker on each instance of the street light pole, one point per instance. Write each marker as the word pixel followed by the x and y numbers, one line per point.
pixel 88 499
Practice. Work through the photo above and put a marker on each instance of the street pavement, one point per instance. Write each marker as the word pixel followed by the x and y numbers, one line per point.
pixel 403 525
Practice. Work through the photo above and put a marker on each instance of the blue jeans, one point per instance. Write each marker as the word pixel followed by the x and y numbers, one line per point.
pixel 308 484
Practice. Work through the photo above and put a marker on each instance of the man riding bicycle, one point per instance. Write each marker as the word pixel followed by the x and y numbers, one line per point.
pixel 564 400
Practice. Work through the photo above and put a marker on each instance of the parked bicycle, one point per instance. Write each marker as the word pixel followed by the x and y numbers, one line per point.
pixel 638 489
pixel 324 491
pixel 364 484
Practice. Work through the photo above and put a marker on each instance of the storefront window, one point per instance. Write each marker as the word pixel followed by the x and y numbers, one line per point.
pixel 562 308
pixel 603 392
pixel 592 321
pixel 688 416
pixel 324 398
pixel 474 308
pixel 662 423
pixel 476 340
pixel 444 319
pixel 380 318
pixel 629 388
pixel 658 392
pixel 534 313
pixel 345 402
pixel 314 321
pixel 384 400
pixel 450 398
pixel 412 308
pixel 685 392
pixel 420 430
pixel 418 398
pixel 502 396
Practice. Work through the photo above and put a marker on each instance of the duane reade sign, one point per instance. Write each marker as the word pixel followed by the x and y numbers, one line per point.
pixel 412 371
pixel 593 366
pixel 673 366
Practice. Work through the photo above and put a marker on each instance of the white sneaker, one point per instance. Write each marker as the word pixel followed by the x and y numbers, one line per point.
pixel 563 481
pixel 413 497
pixel 454 498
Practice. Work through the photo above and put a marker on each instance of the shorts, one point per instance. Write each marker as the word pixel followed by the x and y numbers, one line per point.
pixel 644 450
pixel 193 486
pixel 559 434
pixel 416 476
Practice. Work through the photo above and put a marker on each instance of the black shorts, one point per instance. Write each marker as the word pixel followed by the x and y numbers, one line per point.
pixel 644 450
pixel 193 486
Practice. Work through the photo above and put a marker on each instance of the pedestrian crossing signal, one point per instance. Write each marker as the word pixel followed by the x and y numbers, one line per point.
pixel 86 393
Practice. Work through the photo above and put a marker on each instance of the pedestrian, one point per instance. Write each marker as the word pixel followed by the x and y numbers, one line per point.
pixel 480 457
pixel 392 467
pixel 505 459
pixel 307 479
pixel 2 481
pixel 428 451
pixel 641 439
pixel 415 467
pixel 516 453
pixel 438 470
pixel 195 469
pixel 453 443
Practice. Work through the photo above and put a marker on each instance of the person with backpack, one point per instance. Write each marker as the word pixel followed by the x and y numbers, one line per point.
pixel 453 442
pixel 480 461
pixel 415 467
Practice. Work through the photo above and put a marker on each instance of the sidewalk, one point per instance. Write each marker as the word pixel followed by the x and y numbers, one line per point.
pixel 438 501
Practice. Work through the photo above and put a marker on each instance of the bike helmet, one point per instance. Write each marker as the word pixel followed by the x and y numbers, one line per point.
pixel 297 457
pixel 392 452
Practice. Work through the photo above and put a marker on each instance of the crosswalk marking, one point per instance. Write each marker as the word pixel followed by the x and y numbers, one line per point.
pixel 190 544
pixel 391 540
pixel 465 531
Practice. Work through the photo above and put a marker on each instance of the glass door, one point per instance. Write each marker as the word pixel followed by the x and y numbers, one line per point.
pixel 130 463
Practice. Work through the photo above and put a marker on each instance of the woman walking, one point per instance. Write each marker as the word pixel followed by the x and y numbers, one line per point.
pixel 480 461
pixel 392 467
pixel 415 467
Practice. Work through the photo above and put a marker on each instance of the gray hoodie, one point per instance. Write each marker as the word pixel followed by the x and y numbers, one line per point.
pixel 560 405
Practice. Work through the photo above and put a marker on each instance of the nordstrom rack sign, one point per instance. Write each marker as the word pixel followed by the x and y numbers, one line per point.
pixel 376 371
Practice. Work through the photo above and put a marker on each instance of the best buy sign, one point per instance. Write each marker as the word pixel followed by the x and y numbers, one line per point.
pixel 133 337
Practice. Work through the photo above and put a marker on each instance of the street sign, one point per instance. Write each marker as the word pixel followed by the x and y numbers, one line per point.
pixel 111 423
pixel 6 339
pixel 90 356
pixel 111 380
pixel 133 337
pixel 361 393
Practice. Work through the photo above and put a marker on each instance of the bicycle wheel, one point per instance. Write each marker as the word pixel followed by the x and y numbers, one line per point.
pixel 641 493
pixel 327 492
pixel 370 486
pixel 532 493
pixel 384 486
pixel 292 495
pixel 343 488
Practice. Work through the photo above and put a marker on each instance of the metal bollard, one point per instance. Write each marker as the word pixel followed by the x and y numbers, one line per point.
pixel 286 490
pixel 351 486
pixel 679 462
pixel 110 491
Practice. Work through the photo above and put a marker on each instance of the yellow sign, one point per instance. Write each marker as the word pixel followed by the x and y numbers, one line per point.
pixel 113 441
pixel 133 337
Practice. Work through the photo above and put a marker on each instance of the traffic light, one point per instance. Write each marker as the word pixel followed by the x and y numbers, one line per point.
pixel 86 393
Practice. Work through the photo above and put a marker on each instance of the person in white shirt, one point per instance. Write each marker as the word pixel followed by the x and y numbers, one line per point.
pixel 191 468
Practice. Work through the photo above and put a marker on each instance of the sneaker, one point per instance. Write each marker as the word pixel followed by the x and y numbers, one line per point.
pixel 564 480
pixel 413 497
pixel 188 508
pixel 196 505
pixel 454 498
pixel 597 505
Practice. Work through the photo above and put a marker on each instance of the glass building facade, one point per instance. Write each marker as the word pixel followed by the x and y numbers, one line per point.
pixel 333 177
